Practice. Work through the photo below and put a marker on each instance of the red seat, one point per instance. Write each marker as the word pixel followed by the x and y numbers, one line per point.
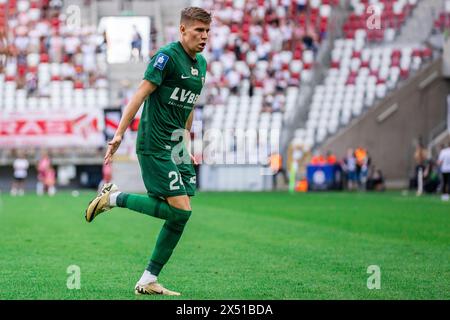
pixel 21 70
pixel 416 53
pixel 44 58
pixel 404 73
pixel 395 62
pixel 427 53
pixel 356 54
pixel 33 69
pixel 295 75
pixel 78 85
pixel 335 64
pixel 396 53
pixel 350 81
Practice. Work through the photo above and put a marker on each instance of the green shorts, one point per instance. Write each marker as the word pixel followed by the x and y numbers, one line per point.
pixel 163 178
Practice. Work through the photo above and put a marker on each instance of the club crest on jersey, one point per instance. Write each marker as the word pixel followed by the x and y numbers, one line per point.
pixel 161 61
pixel 194 71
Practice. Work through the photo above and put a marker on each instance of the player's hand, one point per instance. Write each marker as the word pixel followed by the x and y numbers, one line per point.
pixel 193 159
pixel 113 145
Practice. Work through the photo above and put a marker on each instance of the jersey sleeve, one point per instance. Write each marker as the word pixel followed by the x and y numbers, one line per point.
pixel 158 68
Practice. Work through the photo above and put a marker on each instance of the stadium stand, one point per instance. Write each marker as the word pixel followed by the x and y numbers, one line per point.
pixel 391 16
pixel 365 66
pixel 55 66
pixel 442 22
pixel 355 80
pixel 259 53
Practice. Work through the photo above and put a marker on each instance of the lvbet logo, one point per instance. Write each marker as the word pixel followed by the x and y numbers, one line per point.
pixel 183 95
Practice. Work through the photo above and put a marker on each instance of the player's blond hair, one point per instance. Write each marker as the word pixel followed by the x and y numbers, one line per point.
pixel 191 14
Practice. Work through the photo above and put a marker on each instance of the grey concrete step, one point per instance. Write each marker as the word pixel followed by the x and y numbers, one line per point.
pixel 419 26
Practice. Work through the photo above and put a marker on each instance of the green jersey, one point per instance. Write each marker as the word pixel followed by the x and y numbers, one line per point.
pixel 180 79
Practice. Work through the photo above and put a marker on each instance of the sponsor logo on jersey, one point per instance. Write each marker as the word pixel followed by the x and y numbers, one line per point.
pixel 183 95
pixel 193 180
pixel 161 61
pixel 185 77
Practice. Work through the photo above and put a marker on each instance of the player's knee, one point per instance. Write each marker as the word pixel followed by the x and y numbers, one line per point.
pixel 181 216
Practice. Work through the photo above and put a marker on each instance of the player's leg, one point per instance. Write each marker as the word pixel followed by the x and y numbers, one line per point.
pixel 168 239
pixel 171 231
pixel 161 179
pixel 169 235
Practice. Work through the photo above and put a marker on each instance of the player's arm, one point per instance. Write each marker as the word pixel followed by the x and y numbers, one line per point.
pixel 144 90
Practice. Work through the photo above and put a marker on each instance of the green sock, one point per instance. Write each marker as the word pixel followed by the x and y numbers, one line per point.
pixel 171 231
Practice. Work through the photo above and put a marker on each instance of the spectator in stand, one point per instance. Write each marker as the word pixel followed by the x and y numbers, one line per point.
pixel 153 36
pixel 301 5
pixel 106 175
pixel 276 166
pixel 71 45
pixel 233 81
pixel 103 45
pixel 88 53
pixel 431 177
pixel 251 89
pixel 444 163
pixel 20 167
pixel 365 165
pixel 56 4
pixel 279 102
pixel 375 179
pixel 31 83
pixel 136 45
pixel 55 47
pixel 349 166
pixel 4 49
pixel 361 158
pixel 318 159
pixel 420 158
pixel 43 166
pixel 50 181
pixel 308 41
pixel 331 158
pixel 267 106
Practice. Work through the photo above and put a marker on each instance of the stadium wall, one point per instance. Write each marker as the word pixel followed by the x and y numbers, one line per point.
pixel 392 127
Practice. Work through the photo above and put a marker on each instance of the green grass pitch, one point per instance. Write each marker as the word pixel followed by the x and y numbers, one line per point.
pixel 236 246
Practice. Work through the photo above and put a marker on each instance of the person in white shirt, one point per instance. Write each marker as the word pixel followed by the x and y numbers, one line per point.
pixel 444 163
pixel 20 166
